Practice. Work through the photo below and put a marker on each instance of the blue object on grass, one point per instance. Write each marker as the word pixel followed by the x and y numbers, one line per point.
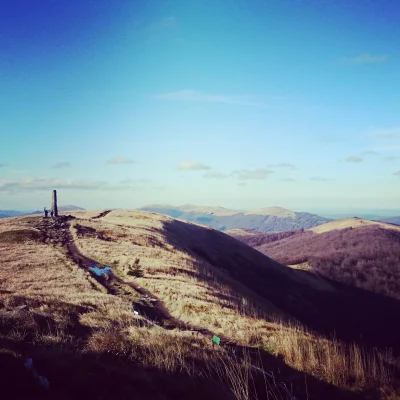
pixel 100 271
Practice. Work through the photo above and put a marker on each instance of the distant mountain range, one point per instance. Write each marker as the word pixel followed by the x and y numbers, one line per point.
pixel 10 213
pixel 270 219
pixel 391 220
pixel 379 215
pixel 14 213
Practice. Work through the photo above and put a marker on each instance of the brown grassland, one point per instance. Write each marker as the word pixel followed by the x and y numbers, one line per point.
pixel 78 331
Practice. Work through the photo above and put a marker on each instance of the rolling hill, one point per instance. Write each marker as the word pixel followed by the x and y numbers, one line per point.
pixel 391 220
pixel 269 219
pixel 150 335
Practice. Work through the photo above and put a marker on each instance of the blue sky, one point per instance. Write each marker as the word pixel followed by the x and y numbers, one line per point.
pixel 241 103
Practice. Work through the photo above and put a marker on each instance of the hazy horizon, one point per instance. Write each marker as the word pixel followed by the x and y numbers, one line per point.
pixel 242 104
pixel 324 212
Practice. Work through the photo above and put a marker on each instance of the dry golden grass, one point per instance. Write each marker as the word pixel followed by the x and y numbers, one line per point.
pixel 351 222
pixel 200 296
pixel 41 277
pixel 83 214
pixel 13 223
pixel 57 296
pixel 182 352
pixel 194 292
pixel 330 359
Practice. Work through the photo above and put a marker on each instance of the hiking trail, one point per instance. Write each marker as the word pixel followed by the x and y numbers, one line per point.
pixel 149 306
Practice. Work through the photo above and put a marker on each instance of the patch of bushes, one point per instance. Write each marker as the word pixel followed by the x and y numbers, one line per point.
pixel 135 269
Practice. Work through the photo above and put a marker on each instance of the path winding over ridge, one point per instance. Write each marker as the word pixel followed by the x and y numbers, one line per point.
pixel 102 214
pixel 59 232
pixel 156 313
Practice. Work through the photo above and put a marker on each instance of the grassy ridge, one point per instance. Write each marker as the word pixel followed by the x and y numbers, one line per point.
pixel 85 340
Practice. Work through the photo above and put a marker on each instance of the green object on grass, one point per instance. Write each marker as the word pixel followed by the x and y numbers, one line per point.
pixel 216 340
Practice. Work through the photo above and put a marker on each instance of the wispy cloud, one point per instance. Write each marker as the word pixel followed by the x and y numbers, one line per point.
pixel 120 161
pixel 130 181
pixel 370 153
pixel 330 139
pixel 255 174
pixel 193 95
pixel 392 158
pixel 388 148
pixel 23 185
pixel 61 165
pixel 354 159
pixel 129 184
pixel 215 175
pixel 385 133
pixel 3 165
pixel 282 165
pixel 37 184
pixel 241 183
pixel 367 58
pixel 192 166
pixel 397 173
pixel 320 179
pixel 288 180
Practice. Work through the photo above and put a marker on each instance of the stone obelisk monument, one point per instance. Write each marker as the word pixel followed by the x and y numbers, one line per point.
pixel 54 207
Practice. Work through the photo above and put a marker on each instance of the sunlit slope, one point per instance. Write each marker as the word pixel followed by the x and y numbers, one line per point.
pixel 83 340
pixel 350 223
pixel 177 255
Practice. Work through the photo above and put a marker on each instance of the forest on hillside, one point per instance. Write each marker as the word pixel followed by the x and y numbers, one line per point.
pixel 368 257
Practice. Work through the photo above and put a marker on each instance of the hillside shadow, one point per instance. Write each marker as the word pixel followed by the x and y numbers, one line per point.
pixel 348 313
pixel 77 374
pixel 93 375
pixel 73 374
pixel 353 314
